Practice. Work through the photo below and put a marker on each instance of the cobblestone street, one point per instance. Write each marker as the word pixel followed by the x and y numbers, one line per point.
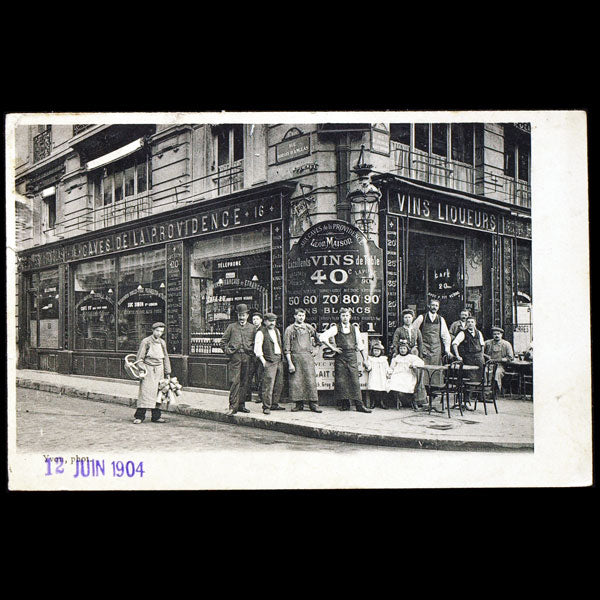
pixel 48 422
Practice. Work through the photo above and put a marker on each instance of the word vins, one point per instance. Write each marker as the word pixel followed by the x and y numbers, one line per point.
pixel 96 468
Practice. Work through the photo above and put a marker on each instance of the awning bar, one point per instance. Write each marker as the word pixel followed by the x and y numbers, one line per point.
pixel 115 155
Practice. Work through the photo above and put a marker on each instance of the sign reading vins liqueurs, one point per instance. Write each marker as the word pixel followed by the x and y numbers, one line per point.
pixel 333 265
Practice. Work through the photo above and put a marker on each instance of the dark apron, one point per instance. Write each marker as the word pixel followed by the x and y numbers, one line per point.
pixel 432 346
pixel 347 385
pixel 471 352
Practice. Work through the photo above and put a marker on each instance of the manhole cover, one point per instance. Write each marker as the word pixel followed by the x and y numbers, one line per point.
pixel 431 422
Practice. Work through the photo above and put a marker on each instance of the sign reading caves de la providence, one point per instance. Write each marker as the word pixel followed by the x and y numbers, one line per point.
pixel 333 265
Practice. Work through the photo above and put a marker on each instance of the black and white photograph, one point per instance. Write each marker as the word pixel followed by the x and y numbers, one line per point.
pixel 224 301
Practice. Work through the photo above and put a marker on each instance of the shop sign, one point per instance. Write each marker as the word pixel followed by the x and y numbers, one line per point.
pixel 380 141
pixel 333 265
pixel 442 211
pixel 518 227
pixel 208 221
pixel 292 148
pixel 174 311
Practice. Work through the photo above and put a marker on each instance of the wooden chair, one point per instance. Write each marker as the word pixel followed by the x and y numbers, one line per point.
pixel 454 385
pixel 485 386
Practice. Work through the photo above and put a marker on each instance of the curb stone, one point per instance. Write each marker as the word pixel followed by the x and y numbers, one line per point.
pixel 311 431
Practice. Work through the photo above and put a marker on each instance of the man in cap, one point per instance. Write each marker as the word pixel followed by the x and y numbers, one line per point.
pixel 238 344
pixel 461 324
pixel 499 350
pixel 406 332
pixel 268 350
pixel 257 368
pixel 299 346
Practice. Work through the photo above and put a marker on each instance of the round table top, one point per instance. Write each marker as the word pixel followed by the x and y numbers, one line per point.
pixel 470 367
pixel 432 367
pixel 521 362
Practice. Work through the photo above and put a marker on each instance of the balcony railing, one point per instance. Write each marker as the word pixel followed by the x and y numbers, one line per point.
pixel 126 210
pixel 230 177
pixel 437 170
pixel 79 128
pixel 456 175
pixel 42 145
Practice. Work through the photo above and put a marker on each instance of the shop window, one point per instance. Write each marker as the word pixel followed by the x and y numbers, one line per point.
pixel 224 272
pixel 43 303
pixel 461 141
pixel 400 132
pixel 141 296
pixel 435 270
pixel 95 285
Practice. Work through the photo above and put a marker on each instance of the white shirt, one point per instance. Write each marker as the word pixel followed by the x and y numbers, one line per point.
pixel 444 332
pixel 333 331
pixel 460 337
pixel 258 342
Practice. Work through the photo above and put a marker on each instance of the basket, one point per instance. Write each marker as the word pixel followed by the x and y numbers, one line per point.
pixel 135 369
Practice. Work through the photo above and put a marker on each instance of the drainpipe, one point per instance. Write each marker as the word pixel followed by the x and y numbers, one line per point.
pixel 342 153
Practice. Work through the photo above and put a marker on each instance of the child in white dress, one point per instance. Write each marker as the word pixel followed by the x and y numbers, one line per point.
pixel 377 381
pixel 402 376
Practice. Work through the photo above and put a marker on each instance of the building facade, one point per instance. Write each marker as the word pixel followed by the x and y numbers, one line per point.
pixel 120 226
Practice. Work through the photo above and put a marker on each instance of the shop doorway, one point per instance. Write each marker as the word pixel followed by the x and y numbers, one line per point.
pixel 435 270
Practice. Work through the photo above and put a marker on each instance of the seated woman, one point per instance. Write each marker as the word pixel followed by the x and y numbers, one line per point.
pixel 402 377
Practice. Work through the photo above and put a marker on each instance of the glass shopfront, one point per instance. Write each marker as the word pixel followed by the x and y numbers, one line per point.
pixel 226 271
pixel 141 296
pixel 451 270
pixel 43 306
pixel 95 288
pixel 118 299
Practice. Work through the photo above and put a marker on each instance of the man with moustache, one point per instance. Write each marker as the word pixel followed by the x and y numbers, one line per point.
pixel 461 324
pixel 436 338
pixel 299 346
pixel 501 351
pixel 268 350
pixel 238 344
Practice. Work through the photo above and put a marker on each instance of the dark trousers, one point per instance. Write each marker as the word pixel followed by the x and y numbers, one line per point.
pixel 240 369
pixel 256 373
pixel 140 414
pixel 376 398
pixel 272 384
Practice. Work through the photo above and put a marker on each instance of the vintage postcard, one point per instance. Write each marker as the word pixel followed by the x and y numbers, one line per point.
pixel 335 300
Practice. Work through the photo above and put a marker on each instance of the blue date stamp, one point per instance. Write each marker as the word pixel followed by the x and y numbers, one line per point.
pixel 88 467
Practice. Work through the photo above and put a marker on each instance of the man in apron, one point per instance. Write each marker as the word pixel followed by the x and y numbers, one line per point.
pixel 268 351
pixel 436 338
pixel 468 347
pixel 299 340
pixel 347 343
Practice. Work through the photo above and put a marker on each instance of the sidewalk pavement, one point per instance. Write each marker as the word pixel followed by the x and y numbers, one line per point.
pixel 510 429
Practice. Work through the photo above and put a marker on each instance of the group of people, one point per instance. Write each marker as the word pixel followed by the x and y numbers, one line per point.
pixel 252 346
pixel 427 340
pixel 258 351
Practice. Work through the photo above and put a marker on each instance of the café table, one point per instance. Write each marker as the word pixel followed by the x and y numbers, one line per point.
pixel 521 367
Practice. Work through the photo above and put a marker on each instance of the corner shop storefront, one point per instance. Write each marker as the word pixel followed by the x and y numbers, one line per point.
pixel 87 302
pixel 459 249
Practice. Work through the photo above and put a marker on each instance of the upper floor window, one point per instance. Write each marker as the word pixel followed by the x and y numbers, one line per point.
pixel 400 132
pixel 49 208
pixel 121 180
pixel 229 153
pixel 517 153
pixel 42 142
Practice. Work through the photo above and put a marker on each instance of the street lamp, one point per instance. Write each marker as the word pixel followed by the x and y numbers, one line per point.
pixel 365 196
